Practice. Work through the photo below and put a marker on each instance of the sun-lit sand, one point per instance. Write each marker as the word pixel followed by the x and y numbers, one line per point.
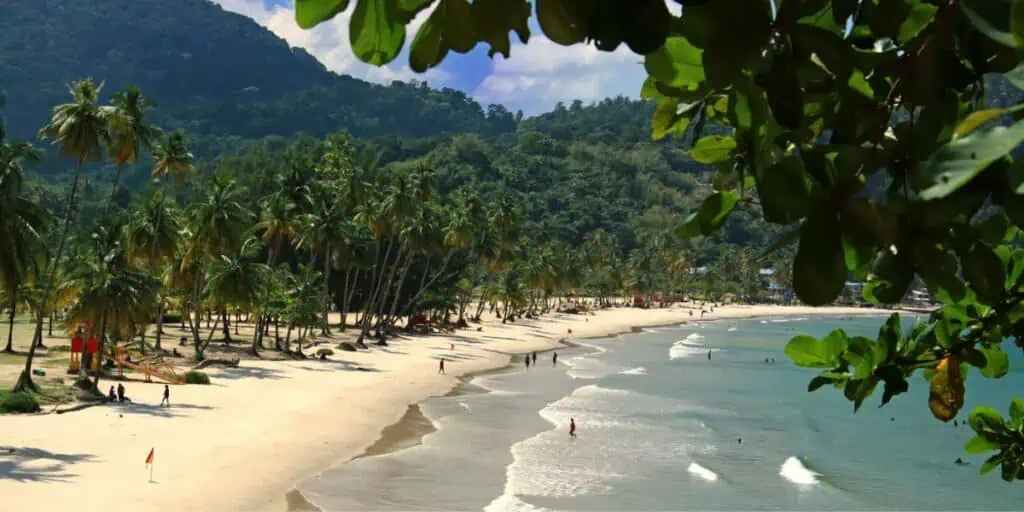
pixel 242 442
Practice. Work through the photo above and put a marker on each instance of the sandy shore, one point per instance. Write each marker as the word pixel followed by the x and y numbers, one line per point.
pixel 242 443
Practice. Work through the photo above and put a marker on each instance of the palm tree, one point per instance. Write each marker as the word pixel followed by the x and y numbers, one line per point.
pixel 80 130
pixel 172 162
pixel 277 224
pixel 236 279
pixel 218 220
pixel 112 294
pixel 154 233
pixel 130 134
pixel 22 223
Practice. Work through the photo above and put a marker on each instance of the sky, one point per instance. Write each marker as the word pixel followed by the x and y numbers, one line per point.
pixel 534 79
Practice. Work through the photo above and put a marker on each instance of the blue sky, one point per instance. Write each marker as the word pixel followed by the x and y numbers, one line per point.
pixel 535 78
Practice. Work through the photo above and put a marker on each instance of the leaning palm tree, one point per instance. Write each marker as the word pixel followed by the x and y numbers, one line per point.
pixel 80 130
pixel 130 134
pixel 154 233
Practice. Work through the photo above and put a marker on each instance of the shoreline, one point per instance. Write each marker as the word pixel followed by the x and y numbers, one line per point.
pixel 303 417
pixel 410 430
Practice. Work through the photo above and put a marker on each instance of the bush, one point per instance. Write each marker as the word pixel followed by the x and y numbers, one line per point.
pixel 324 352
pixel 172 317
pixel 196 377
pixel 18 403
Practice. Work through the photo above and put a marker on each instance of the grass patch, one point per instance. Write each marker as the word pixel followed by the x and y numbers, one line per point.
pixel 196 377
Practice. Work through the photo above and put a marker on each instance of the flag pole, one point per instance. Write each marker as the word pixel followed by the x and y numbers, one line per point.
pixel 151 464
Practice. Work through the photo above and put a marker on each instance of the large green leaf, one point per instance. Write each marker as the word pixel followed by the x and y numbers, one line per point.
pixel 991 17
pixel 977 445
pixel 712 214
pixel 677 63
pixel 984 419
pixel 713 148
pixel 563 21
pixel 672 118
pixel 1017 414
pixel 985 272
pixel 310 13
pixel 494 19
pixel 459 29
pixel 997 363
pixel 957 163
pixel 891 276
pixel 809 352
pixel 1016 76
pixel 374 31
pixel 819 270
pixel 785 191
pixel 428 48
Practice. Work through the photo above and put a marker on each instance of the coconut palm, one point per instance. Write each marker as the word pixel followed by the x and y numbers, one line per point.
pixel 277 225
pixel 112 293
pixel 130 134
pixel 237 279
pixel 80 131
pixel 154 233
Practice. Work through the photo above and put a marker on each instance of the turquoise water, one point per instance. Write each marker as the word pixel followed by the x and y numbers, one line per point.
pixel 659 427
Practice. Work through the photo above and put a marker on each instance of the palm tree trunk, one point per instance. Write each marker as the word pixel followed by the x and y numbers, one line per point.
pixel 25 380
pixel 226 325
pixel 371 300
pixel 10 327
pixel 288 337
pixel 344 300
pixel 325 329
pixel 113 192
pixel 99 351
pixel 398 291
pixel 197 307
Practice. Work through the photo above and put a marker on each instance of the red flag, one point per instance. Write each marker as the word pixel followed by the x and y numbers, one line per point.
pixel 149 458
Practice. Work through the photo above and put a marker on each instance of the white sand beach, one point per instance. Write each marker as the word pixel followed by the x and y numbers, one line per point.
pixel 242 442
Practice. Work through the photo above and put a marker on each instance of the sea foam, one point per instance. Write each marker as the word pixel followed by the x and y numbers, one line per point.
pixel 795 471
pixel 702 472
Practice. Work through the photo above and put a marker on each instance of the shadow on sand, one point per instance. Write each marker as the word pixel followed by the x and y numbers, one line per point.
pixel 34 465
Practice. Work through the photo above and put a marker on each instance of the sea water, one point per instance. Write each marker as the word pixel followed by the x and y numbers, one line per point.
pixel 663 427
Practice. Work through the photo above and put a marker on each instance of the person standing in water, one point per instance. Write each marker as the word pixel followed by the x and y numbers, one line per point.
pixel 527 362
pixel 709 355
pixel 534 358
pixel 572 427
pixel 440 368
pixel 554 359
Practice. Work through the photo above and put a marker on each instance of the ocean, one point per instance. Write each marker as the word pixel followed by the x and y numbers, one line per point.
pixel 662 427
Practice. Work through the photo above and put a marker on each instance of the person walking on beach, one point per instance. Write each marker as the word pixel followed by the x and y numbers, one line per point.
pixel 554 359
pixel 440 368
pixel 534 358
pixel 527 362
pixel 167 396
pixel 709 355
pixel 572 427
pixel 120 392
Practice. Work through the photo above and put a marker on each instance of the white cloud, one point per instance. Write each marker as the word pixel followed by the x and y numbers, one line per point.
pixel 329 42
pixel 536 77
pixel 541 74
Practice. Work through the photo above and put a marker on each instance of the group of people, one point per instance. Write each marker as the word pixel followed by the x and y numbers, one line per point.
pixel 119 395
pixel 532 359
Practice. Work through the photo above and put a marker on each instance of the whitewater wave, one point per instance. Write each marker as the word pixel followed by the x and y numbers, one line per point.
pixel 702 472
pixel 689 347
pixel 794 470
pixel 731 329
pixel 465 406
pixel 639 370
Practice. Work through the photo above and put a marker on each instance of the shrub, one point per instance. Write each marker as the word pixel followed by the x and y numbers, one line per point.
pixel 18 402
pixel 196 377
pixel 324 352
pixel 172 317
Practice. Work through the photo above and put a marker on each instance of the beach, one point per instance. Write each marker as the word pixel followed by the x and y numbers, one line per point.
pixel 243 442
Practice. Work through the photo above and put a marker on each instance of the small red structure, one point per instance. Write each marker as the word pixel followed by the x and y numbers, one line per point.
pixel 76 344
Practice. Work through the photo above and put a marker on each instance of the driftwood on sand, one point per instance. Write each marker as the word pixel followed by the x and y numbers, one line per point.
pixel 216 362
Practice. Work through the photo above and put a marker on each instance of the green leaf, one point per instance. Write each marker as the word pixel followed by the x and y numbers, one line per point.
pixel 977 119
pixel 984 419
pixel 785 191
pixel 310 13
pixel 992 463
pixel 819 270
pixel 672 118
pixel 978 445
pixel 375 33
pixel 995 229
pixel 891 276
pixel 919 16
pixel 1016 76
pixel 939 270
pixel 861 355
pixel 833 345
pixel 1017 21
pixel 563 21
pixel 985 273
pixel 989 17
pixel 1011 468
pixel 857 390
pixel 806 351
pixel 712 214
pixel 494 19
pixel 957 163
pixel 408 9
pixel 713 148
pixel 677 63
pixel 997 363
pixel 1017 414
pixel 428 48
pixel 457 25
